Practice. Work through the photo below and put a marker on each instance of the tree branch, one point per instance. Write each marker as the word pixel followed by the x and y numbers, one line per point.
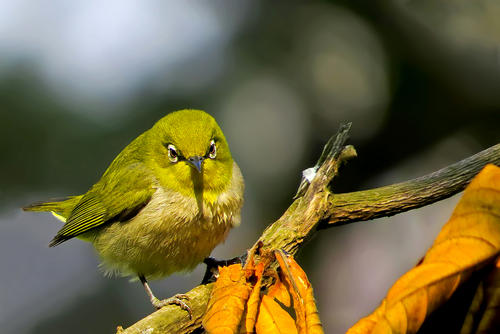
pixel 318 207
pixel 400 197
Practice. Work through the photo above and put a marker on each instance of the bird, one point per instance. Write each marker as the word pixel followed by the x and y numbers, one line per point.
pixel 163 204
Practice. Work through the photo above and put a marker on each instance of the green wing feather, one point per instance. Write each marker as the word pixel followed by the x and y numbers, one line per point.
pixel 61 207
pixel 118 196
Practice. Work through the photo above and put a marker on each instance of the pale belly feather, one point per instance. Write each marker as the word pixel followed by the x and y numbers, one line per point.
pixel 169 234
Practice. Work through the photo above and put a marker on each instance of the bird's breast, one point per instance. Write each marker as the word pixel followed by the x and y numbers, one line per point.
pixel 171 233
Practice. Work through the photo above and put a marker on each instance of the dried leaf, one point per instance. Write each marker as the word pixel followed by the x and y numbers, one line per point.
pixel 468 241
pixel 484 313
pixel 250 315
pixel 279 292
pixel 307 317
pixel 313 323
pixel 274 319
pixel 298 300
pixel 227 302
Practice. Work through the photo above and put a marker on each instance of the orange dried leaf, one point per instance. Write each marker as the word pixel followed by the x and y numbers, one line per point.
pixel 490 318
pixel 227 302
pixel 279 292
pixel 313 323
pixel 250 315
pixel 307 317
pixel 368 323
pixel 298 301
pixel 484 313
pixel 273 319
pixel 468 241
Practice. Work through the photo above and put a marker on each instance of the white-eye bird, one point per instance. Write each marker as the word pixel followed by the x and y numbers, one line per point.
pixel 162 205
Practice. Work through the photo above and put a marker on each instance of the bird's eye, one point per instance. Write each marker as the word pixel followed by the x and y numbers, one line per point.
pixel 172 153
pixel 212 150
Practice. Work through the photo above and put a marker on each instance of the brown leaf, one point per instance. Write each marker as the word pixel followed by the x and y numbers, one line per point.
pixel 468 241
pixel 227 302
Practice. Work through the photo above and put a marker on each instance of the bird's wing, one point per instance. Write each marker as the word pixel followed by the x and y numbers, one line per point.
pixel 116 198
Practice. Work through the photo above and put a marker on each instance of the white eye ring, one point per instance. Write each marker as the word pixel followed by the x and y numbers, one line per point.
pixel 212 150
pixel 172 153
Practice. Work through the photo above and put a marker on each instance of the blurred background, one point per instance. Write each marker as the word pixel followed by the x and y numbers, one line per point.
pixel 420 80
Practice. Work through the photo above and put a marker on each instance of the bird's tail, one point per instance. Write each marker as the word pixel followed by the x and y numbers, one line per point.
pixel 60 208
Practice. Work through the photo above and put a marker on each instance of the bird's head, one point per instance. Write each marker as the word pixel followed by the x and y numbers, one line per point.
pixel 191 153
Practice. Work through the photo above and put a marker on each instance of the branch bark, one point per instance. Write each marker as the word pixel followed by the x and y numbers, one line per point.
pixel 318 207
pixel 400 197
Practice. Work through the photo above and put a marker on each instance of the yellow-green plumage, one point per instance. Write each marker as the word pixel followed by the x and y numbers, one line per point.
pixel 150 216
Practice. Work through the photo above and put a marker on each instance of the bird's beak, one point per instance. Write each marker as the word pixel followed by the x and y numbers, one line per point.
pixel 195 162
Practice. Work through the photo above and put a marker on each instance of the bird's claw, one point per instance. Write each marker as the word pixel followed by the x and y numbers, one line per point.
pixel 177 300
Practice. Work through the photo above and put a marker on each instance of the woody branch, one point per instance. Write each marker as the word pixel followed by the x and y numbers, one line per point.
pixel 318 207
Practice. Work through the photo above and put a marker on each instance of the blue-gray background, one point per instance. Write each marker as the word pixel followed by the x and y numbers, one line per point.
pixel 420 80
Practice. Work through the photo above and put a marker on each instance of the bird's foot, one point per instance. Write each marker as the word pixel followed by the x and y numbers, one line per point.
pixel 177 300
pixel 212 271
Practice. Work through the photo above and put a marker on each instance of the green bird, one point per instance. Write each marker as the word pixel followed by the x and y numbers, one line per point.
pixel 162 205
